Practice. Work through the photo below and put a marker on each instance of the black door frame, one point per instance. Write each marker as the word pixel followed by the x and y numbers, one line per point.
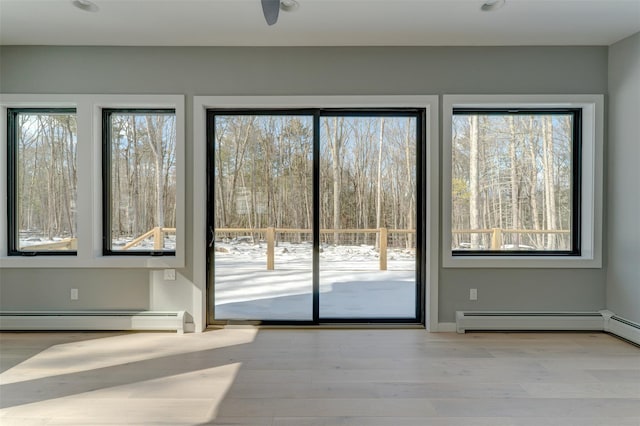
pixel 420 268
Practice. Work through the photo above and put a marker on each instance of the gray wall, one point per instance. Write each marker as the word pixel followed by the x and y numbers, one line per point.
pixel 623 274
pixel 49 289
pixel 318 71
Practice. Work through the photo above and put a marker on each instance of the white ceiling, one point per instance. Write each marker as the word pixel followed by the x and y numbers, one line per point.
pixel 318 23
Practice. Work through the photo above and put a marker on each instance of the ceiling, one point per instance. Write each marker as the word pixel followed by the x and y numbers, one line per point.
pixel 319 23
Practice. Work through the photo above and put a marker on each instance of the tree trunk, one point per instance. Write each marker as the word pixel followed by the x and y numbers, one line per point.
pixel 474 211
pixel 533 184
pixel 335 145
pixel 379 183
pixel 550 197
pixel 410 211
pixel 515 216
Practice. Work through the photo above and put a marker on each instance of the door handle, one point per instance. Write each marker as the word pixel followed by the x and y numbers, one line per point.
pixel 213 237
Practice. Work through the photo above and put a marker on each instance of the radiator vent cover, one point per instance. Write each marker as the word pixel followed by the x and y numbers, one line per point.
pixel 179 321
pixel 528 321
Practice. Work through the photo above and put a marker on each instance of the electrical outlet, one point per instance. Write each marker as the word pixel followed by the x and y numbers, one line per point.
pixel 473 294
pixel 170 274
pixel 74 294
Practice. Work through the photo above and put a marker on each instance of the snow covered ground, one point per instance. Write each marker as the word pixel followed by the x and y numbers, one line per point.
pixel 117 244
pixel 351 284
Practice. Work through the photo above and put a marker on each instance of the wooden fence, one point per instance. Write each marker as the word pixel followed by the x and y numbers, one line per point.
pixel 270 237
pixel 496 233
pixel 158 238
pixel 66 244
pixel 72 243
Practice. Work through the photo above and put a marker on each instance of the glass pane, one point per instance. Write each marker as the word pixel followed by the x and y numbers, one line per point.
pixel 512 182
pixel 263 217
pixel 46 181
pixel 368 217
pixel 143 181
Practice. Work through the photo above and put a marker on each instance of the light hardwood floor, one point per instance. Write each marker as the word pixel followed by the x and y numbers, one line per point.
pixel 245 376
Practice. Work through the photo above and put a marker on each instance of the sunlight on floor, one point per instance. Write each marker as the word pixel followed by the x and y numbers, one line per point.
pixel 100 353
pixel 200 391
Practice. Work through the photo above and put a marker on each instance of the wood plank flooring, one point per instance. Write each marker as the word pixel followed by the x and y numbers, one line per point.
pixel 250 377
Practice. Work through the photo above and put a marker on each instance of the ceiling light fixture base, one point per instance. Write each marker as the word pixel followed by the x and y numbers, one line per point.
pixel 289 5
pixel 492 5
pixel 85 5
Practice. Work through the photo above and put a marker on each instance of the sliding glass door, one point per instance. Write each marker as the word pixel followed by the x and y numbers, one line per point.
pixel 313 215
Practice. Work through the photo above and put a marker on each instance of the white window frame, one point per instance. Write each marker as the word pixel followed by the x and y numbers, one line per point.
pixel 592 107
pixel 429 102
pixel 89 196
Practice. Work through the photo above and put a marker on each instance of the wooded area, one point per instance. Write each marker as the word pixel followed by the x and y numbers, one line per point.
pixel 512 172
pixel 143 176
pixel 509 172
pixel 264 166
pixel 46 170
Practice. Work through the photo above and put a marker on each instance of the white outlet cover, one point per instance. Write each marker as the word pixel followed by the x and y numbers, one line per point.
pixel 170 274
pixel 74 294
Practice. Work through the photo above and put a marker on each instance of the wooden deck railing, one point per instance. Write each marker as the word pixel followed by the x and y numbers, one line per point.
pixel 158 238
pixel 66 244
pixel 496 233
pixel 270 237
pixel 72 243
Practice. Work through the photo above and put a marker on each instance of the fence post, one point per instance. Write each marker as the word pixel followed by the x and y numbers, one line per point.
pixel 496 239
pixel 271 237
pixel 383 249
pixel 158 238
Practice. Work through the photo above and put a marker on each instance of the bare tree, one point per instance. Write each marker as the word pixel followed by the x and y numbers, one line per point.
pixel 336 142
pixel 515 211
pixel 379 182
pixel 474 211
pixel 550 198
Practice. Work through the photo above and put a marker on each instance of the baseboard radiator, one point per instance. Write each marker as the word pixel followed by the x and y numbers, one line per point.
pixel 179 321
pixel 621 327
pixel 548 321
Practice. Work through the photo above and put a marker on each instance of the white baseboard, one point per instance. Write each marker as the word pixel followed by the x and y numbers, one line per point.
pixel 547 321
pixel 621 327
pixel 95 320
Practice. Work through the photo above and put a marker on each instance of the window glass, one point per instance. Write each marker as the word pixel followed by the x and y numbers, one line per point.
pixel 515 184
pixel 140 181
pixel 43 181
pixel 368 215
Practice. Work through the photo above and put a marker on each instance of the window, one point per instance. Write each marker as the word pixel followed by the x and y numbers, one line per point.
pixel 139 181
pixel 52 189
pixel 42 181
pixel 515 185
pixel 522 180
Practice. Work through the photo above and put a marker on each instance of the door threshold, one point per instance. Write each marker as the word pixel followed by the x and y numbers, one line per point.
pixel 320 326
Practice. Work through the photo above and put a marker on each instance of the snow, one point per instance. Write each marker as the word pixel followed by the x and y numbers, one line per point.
pixel 117 244
pixel 34 241
pixel 351 284
pixel 146 244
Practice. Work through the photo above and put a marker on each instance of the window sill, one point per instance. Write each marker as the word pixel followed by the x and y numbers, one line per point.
pixel 497 261
pixel 143 262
